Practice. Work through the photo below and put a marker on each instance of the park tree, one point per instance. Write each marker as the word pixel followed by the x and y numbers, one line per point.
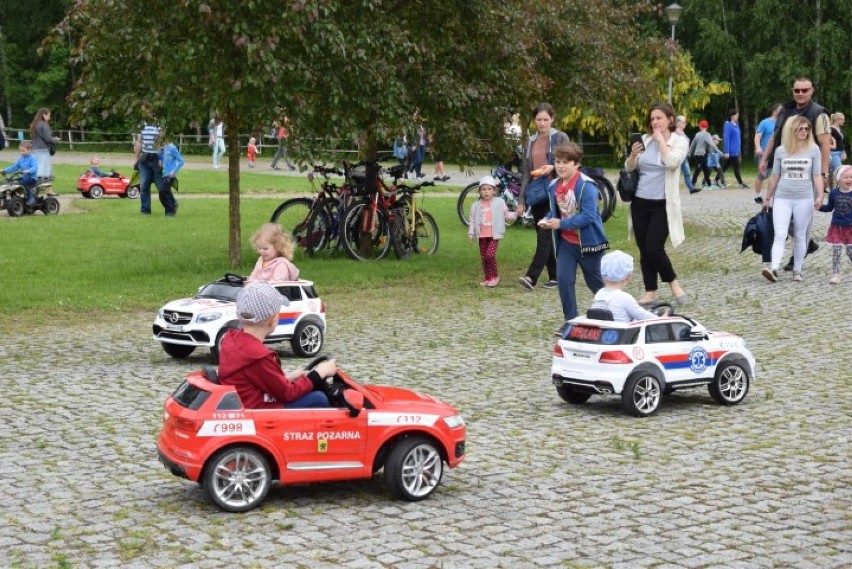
pixel 759 48
pixel 351 73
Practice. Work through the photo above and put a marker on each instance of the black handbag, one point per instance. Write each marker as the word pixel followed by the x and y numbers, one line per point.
pixel 627 184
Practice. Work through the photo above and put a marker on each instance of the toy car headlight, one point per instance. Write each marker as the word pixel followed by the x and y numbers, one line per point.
pixel 160 314
pixel 454 421
pixel 208 317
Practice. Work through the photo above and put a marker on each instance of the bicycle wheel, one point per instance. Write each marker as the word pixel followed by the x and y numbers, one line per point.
pixel 322 234
pixel 606 189
pixel 292 215
pixel 425 234
pixel 400 238
pixel 366 234
pixel 468 195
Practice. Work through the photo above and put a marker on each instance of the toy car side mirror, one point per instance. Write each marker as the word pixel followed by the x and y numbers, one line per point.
pixel 354 400
pixel 697 333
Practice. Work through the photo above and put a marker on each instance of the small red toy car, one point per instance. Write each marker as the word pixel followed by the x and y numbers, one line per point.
pixel 95 187
pixel 236 453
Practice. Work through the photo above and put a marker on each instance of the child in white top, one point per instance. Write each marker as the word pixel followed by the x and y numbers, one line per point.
pixel 488 224
pixel 275 247
pixel 617 270
pixel 252 151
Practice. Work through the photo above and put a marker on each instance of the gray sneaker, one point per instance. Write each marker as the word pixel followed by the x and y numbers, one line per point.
pixel 526 282
pixel 797 276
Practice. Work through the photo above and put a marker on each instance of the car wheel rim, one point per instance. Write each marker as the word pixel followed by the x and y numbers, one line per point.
pixel 310 339
pixel 646 396
pixel 421 471
pixel 239 480
pixel 732 383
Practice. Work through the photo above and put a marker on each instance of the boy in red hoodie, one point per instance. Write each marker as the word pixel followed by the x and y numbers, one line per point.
pixel 254 369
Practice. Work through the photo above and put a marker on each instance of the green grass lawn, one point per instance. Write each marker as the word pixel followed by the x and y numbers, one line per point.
pixel 102 256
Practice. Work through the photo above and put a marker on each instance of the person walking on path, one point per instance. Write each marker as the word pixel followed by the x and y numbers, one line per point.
pixel 761 138
pixel 802 104
pixel 684 167
pixel 839 235
pixel 172 161
pixel 538 158
pixel 701 145
pixel 796 179
pixel 576 227
pixel 148 161
pixel 282 134
pixel 838 141
pixel 42 139
pixel 217 138
pixel 655 212
pixel 732 143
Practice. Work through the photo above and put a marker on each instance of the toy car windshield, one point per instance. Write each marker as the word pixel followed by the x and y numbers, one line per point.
pixel 219 291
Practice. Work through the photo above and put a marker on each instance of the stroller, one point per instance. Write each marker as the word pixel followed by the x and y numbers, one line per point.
pixel 13 197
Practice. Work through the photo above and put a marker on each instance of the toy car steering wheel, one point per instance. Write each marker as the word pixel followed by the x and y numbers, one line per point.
pixel 234 278
pixel 333 391
pixel 663 309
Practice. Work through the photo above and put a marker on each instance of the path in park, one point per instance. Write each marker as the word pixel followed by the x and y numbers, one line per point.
pixel 762 484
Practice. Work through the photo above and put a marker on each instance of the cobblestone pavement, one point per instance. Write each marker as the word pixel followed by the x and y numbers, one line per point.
pixel 762 484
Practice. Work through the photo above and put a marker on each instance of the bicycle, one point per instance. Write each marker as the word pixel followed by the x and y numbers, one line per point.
pixel 510 189
pixel 367 221
pixel 413 230
pixel 293 214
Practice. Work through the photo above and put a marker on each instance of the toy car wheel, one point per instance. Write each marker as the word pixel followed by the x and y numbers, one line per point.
pixel 237 479
pixel 177 350
pixel 642 394
pixel 50 206
pixel 15 207
pixel 132 192
pixel 307 339
pixel 96 192
pixel 87 195
pixel 571 395
pixel 414 469
pixel 730 385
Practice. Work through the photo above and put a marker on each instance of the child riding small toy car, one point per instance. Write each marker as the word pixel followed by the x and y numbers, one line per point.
pixel 202 320
pixel 645 359
pixel 236 454
pixel 13 197
pixel 93 186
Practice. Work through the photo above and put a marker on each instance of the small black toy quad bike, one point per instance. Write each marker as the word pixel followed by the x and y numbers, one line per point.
pixel 13 197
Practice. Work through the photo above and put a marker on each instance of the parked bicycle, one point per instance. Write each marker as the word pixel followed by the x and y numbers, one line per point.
pixel 366 223
pixel 413 230
pixel 294 214
pixel 510 188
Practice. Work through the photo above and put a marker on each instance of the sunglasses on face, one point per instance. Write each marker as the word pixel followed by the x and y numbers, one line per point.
pixel 804 129
pixel 801 91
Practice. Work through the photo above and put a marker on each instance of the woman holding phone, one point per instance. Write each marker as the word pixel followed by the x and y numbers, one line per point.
pixel 655 210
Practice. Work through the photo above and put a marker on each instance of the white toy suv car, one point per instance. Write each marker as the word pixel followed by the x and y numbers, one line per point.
pixel 645 359
pixel 183 325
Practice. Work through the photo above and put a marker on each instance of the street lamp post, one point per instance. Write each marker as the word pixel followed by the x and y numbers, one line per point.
pixel 673 11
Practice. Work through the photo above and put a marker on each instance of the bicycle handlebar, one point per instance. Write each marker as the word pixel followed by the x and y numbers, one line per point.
pixel 325 171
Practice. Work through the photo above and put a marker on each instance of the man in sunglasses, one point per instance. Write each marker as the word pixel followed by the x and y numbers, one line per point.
pixel 802 104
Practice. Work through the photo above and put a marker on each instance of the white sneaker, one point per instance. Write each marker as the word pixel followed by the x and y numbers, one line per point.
pixel 835 279
pixel 797 276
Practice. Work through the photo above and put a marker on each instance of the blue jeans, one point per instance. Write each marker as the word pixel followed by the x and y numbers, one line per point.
pixel 687 175
pixel 149 171
pixel 417 160
pixel 312 399
pixel 835 160
pixel 568 257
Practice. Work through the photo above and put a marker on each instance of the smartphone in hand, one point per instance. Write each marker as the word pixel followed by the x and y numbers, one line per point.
pixel 634 138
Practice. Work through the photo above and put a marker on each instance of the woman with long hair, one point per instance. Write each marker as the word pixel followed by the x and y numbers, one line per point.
pixel 42 138
pixel 795 190
pixel 655 213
